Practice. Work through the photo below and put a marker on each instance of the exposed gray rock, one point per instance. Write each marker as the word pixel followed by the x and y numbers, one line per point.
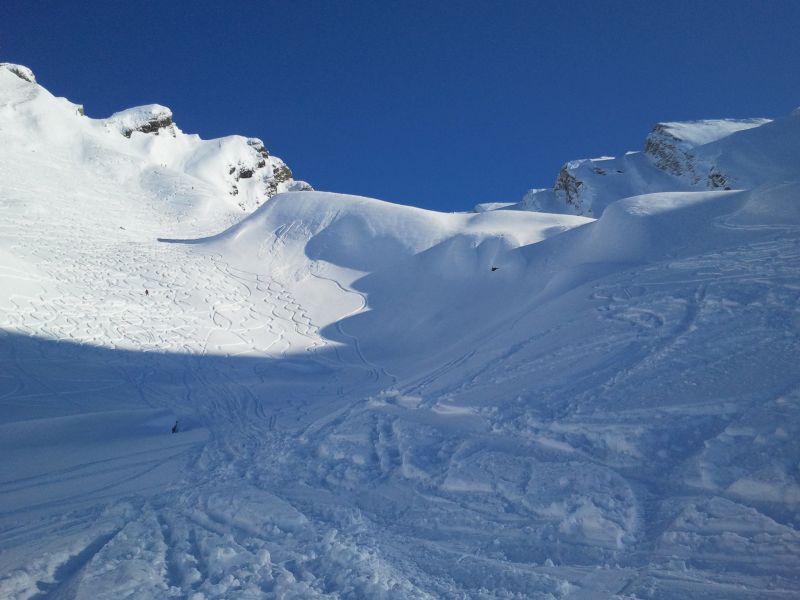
pixel 151 118
pixel 717 180
pixel 257 145
pixel 568 188
pixel 281 173
pixel 670 152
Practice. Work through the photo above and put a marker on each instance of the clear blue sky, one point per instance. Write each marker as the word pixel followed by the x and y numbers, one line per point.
pixel 436 104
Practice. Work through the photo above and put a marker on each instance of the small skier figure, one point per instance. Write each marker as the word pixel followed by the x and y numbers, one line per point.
pixel 147 292
pixel 175 427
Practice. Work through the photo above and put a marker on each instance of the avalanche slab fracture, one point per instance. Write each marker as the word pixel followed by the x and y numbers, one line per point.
pixel 379 401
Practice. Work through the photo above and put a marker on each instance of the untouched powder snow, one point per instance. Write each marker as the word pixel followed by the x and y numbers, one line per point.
pixel 379 401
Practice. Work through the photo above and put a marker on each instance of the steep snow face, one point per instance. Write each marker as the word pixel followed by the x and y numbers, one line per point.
pixel 142 143
pixel 678 156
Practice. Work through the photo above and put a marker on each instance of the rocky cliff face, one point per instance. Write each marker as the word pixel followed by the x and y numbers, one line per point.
pixel 670 153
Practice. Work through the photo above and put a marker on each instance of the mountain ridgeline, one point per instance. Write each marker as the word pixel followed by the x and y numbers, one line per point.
pixel 716 154
pixel 239 170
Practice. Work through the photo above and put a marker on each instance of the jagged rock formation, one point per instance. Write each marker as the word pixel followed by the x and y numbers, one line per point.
pixel 670 153
pixel 568 188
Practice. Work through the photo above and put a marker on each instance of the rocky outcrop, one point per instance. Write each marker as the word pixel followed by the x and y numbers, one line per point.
pixel 717 180
pixel 20 71
pixel 247 170
pixel 151 118
pixel 677 156
pixel 677 148
pixel 257 145
pixel 568 188
pixel 263 174
pixel 670 153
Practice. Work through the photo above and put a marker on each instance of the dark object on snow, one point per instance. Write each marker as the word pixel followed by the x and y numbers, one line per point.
pixel 495 268
pixel 147 292
pixel 175 427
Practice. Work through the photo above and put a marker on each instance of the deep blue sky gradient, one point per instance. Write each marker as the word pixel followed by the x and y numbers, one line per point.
pixel 435 104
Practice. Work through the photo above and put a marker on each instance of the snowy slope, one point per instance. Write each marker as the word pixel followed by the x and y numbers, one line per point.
pixel 365 408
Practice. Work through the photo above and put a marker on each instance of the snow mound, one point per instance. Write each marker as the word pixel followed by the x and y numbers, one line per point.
pixel 645 228
pixel 381 252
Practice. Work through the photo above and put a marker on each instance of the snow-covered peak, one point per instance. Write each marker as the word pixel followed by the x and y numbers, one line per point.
pixel 230 174
pixel 20 71
pixel 678 156
pixel 150 118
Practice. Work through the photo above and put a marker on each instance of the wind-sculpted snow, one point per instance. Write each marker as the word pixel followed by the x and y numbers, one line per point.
pixel 378 401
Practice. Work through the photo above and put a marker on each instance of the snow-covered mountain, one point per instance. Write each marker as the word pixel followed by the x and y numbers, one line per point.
pixel 719 154
pixel 380 401
pixel 147 143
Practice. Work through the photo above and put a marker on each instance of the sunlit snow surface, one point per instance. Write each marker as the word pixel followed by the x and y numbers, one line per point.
pixel 365 408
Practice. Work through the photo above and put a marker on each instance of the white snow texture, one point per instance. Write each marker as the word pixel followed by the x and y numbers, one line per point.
pixel 379 401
